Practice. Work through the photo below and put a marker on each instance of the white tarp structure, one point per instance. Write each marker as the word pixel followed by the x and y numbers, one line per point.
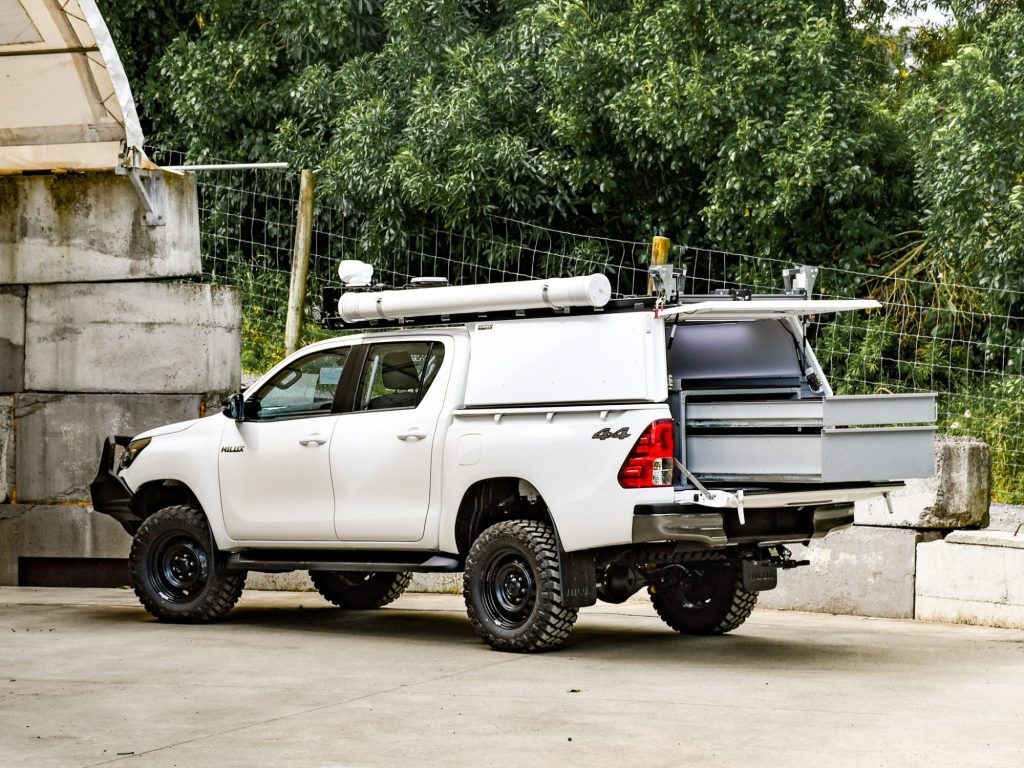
pixel 65 103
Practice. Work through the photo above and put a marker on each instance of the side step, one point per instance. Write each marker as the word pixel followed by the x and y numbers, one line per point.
pixel 281 560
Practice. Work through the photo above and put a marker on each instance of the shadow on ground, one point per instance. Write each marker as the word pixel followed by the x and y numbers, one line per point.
pixel 597 636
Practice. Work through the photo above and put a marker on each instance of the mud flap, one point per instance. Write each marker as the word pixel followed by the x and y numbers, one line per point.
pixel 759 576
pixel 579 578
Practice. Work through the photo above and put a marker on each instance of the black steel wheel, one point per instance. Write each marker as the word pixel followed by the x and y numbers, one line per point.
pixel 513 588
pixel 360 590
pixel 174 568
pixel 708 599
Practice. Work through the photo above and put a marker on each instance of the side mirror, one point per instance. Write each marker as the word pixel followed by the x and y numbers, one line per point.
pixel 234 407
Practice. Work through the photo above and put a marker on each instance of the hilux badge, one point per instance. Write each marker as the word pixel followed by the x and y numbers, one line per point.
pixel 232 448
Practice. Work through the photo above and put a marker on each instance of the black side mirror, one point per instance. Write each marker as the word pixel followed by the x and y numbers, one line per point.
pixel 234 407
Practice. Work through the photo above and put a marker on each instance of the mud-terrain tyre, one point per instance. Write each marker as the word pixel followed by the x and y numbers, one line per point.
pixel 360 590
pixel 711 600
pixel 175 570
pixel 513 588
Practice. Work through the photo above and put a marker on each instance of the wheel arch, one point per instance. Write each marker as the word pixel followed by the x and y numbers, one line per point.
pixel 154 495
pixel 494 499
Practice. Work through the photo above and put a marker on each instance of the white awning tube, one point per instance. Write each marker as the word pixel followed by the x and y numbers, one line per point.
pixel 557 293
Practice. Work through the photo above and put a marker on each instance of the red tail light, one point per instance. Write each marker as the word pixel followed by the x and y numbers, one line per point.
pixel 649 464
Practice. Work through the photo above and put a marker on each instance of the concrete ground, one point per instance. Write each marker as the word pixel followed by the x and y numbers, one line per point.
pixel 87 678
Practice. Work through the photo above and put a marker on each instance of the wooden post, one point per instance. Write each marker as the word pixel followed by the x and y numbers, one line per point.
pixel 659 255
pixel 300 263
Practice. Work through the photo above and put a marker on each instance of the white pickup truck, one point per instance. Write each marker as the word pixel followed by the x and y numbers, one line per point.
pixel 557 452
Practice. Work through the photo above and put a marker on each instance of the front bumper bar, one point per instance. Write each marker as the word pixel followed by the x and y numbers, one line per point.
pixel 109 493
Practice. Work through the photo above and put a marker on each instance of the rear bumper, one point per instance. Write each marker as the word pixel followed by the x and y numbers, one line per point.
pixel 109 493
pixel 768 518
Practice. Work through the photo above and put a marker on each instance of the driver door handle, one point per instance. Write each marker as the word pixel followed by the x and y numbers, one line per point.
pixel 313 439
pixel 412 434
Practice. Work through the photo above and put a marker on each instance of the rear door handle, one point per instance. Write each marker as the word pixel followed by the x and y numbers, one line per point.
pixel 313 439
pixel 412 434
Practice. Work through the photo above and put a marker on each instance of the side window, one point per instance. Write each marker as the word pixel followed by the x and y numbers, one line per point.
pixel 305 388
pixel 398 375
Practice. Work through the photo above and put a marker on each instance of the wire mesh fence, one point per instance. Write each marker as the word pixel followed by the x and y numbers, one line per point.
pixel 963 342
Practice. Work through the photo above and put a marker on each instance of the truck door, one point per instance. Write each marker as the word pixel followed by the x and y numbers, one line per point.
pixel 275 474
pixel 382 448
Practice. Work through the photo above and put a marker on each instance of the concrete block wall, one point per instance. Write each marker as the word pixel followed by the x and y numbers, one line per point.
pixel 12 338
pixel 90 227
pixel 972 577
pixel 59 436
pixel 82 357
pixel 6 447
pixel 862 571
pixel 56 530
pixel 132 337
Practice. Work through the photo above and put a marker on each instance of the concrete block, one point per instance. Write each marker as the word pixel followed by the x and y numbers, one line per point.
pixel 12 338
pixel 862 571
pixel 59 436
pixel 133 337
pixel 972 577
pixel 444 583
pixel 956 497
pixel 293 581
pixel 6 448
pixel 91 227
pixel 66 530
pixel 299 581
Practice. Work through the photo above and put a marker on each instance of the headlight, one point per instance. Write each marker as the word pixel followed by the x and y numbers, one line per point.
pixel 134 449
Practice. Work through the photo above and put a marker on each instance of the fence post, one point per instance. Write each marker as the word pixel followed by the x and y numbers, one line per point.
pixel 300 263
pixel 659 255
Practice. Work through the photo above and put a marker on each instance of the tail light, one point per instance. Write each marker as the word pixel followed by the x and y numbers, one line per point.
pixel 649 464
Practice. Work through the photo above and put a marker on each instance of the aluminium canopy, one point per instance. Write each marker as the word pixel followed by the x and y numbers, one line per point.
pixel 65 103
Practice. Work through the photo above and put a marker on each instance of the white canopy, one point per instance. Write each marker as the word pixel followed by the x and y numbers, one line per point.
pixel 65 103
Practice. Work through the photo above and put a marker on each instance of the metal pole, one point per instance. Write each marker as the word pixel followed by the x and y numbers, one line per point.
pixel 300 263
pixel 659 255
pixel 228 167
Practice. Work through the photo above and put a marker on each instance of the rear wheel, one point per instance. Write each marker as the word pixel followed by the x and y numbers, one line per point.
pixel 513 587
pixel 708 600
pixel 174 568
pixel 360 590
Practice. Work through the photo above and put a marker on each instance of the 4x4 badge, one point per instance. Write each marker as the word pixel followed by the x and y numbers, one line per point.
pixel 604 434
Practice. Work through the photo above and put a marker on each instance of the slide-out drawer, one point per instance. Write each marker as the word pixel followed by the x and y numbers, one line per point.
pixel 835 454
pixel 859 438
pixel 850 410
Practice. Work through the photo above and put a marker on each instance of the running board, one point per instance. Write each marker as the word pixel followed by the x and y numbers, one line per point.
pixel 279 561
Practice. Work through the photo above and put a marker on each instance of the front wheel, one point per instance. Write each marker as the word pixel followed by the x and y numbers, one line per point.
pixel 709 599
pixel 513 588
pixel 173 568
pixel 360 590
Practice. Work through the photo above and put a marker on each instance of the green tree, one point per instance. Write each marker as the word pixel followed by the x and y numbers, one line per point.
pixel 764 128
pixel 224 87
pixel 969 160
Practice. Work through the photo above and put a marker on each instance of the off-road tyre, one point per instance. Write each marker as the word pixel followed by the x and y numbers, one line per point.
pixel 176 572
pixel 360 590
pixel 711 601
pixel 513 588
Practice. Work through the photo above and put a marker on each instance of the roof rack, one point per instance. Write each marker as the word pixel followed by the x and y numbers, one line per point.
pixel 430 303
